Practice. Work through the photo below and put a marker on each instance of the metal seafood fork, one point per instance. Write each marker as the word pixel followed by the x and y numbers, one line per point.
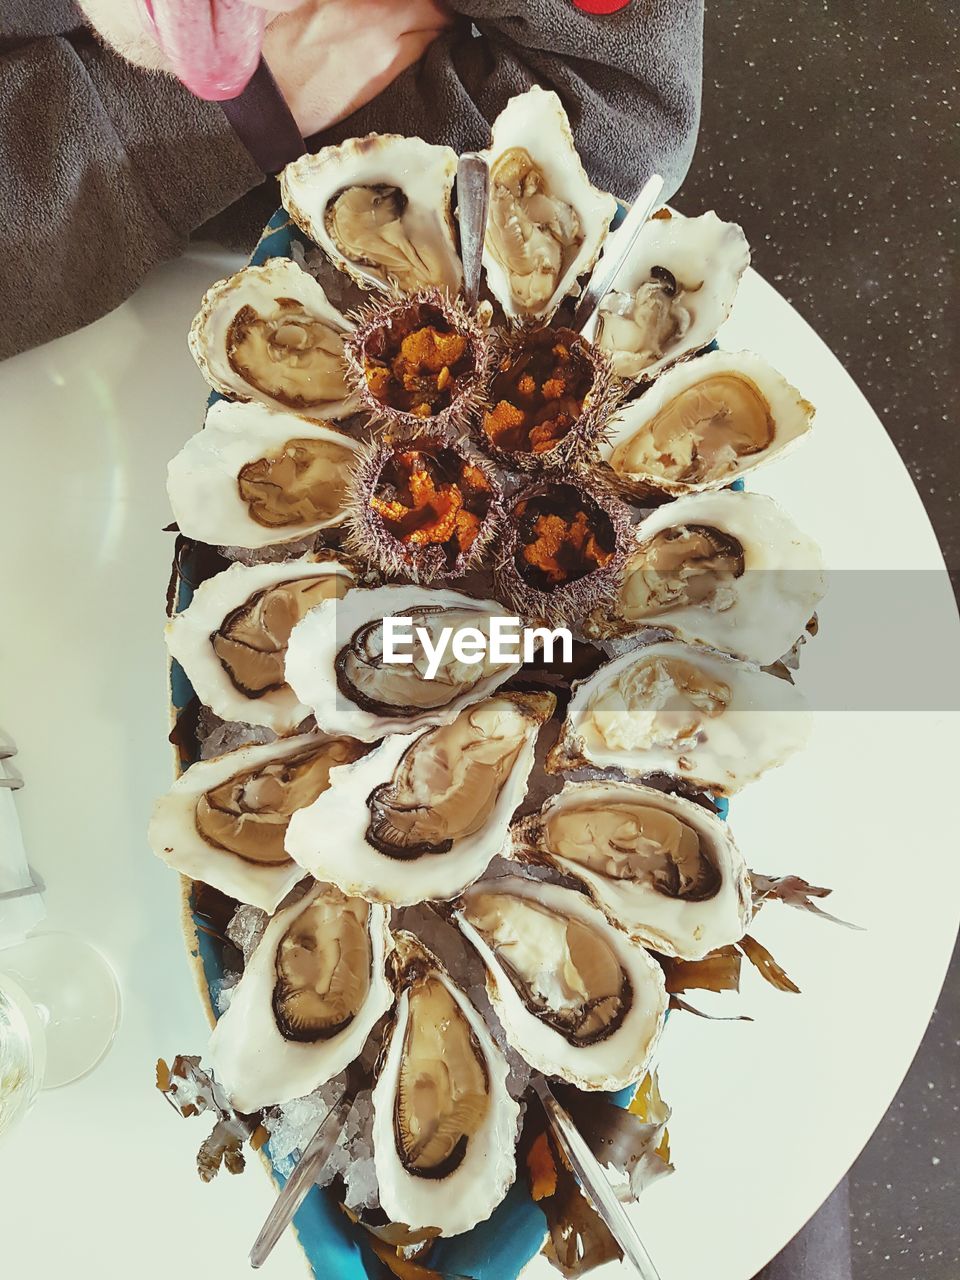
pixel 594 1181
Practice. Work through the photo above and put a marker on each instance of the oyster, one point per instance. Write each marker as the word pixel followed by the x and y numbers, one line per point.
pixel 546 221
pixel 422 507
pixel 704 424
pixel 662 868
pixel 674 708
pixel 444 1124
pixel 231 640
pixel 307 1000
pixel 379 207
pixel 424 813
pixel 268 333
pixel 672 294
pixel 335 662
pixel 254 477
pixel 726 569
pixel 224 820
pixel 577 998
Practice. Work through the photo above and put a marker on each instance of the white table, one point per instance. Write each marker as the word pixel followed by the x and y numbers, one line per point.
pixel 767 1115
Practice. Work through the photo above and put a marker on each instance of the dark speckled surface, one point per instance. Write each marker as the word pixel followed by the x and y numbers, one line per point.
pixel 831 134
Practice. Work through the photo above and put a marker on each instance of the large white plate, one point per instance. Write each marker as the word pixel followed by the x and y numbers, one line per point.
pixel 768 1114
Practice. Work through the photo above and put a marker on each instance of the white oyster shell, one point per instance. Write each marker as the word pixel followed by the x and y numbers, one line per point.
pixel 536 122
pixel 672 465
pixel 254 1063
pixel 189 639
pixel 326 631
pixel 458 1201
pixel 349 860
pixel 174 836
pixel 757 615
pixel 674 926
pixel 203 478
pixel 623 1056
pixel 631 716
pixel 295 310
pixel 706 256
pixel 422 172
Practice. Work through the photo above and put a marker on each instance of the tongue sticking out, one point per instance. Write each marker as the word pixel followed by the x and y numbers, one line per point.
pixel 213 45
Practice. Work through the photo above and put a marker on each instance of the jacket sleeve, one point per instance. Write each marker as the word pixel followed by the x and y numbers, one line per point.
pixel 104 171
pixel 629 81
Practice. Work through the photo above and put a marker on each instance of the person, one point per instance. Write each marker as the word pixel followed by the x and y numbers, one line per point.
pixel 108 164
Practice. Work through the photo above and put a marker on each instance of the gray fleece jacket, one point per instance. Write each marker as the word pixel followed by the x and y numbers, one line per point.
pixel 106 170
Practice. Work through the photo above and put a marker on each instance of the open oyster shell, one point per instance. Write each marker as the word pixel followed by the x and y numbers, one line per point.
pixel 306 1002
pixel 672 294
pixel 254 477
pixel 423 814
pixel 335 662
pixel 269 333
pixel 577 998
pixel 726 569
pixel 704 424
pixel 662 868
pixel 380 208
pixel 444 1124
pixel 231 640
pixel 546 221
pixel 674 708
pixel 224 820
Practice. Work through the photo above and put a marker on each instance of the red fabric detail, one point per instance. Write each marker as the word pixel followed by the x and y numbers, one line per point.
pixel 601 6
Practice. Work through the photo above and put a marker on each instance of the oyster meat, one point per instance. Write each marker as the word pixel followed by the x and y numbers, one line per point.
pixel 577 998
pixel 664 869
pixel 444 1124
pixel 674 708
pixel 704 424
pixel 269 333
pixel 306 1002
pixel 546 221
pixel 254 477
pixel 423 814
pixel 335 662
pixel 380 208
pixel 231 640
pixel 224 820
pixel 726 569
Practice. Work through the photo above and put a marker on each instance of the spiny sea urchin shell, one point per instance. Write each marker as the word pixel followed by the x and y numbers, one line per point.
pixel 421 508
pixel 550 396
pixel 566 537
pixel 418 361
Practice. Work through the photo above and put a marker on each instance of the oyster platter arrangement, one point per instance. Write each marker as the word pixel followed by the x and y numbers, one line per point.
pixel 416 891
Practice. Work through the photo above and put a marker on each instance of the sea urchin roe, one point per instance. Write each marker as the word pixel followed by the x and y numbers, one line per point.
pixel 431 496
pixel 248 814
pixel 564 970
pixel 661 703
pixel 562 536
pixel 701 434
pixel 251 642
pixel 531 231
pixel 323 968
pixel 681 567
pixel 636 843
pixel 290 355
pixel 443 1091
pixel 538 392
pixel 302 482
pixel 417 362
pixel 366 225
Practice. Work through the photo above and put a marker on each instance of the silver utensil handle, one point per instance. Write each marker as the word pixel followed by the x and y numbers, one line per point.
pixel 594 1182
pixel 605 275
pixel 299 1183
pixel 473 201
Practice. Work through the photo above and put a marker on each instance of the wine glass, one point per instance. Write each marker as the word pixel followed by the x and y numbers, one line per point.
pixel 59 1012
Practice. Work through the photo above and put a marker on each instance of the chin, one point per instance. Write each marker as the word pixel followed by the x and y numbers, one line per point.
pixel 122 25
